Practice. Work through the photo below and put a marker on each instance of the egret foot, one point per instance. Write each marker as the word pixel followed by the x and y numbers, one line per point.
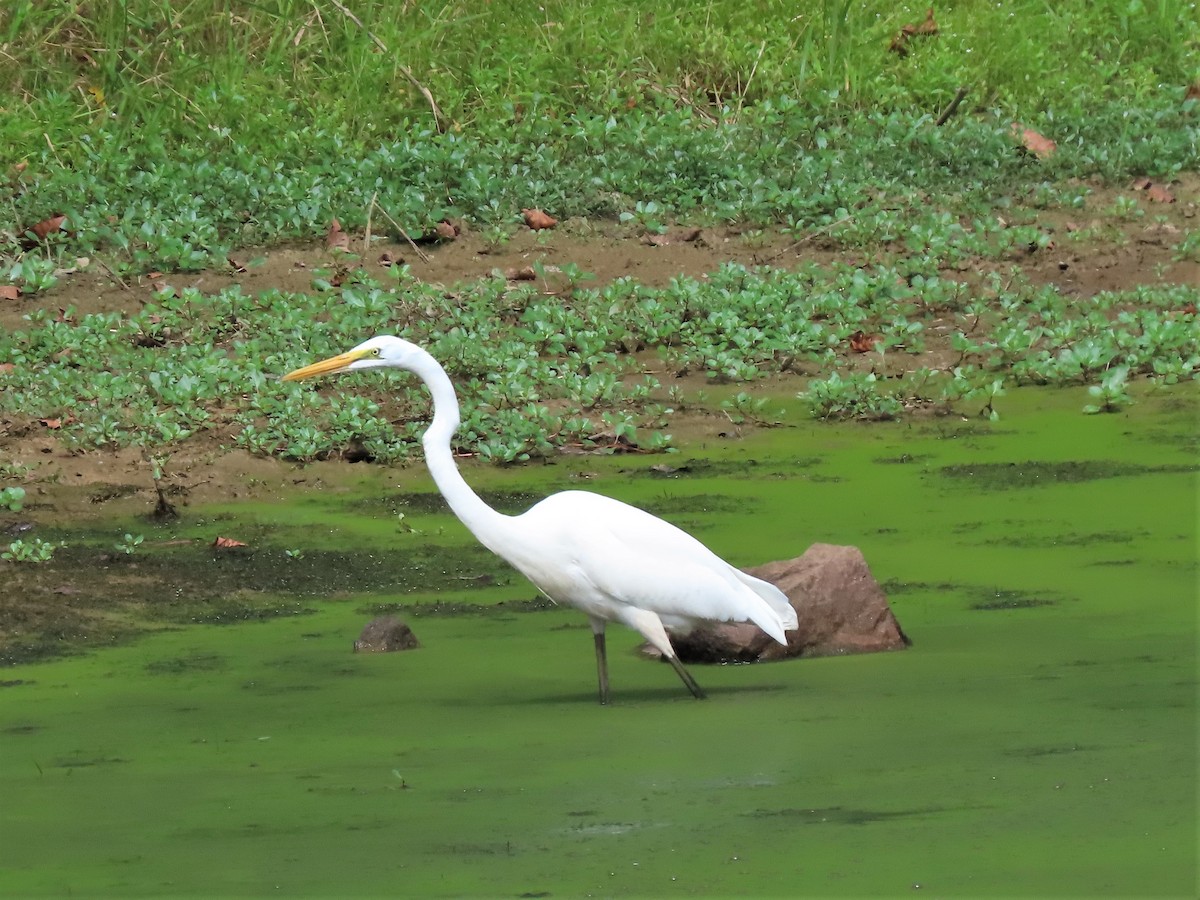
pixel 684 674
pixel 602 667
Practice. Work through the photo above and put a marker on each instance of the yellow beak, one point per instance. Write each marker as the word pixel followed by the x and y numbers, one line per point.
pixel 338 363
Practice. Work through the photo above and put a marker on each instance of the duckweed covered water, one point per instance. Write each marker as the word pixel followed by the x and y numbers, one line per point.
pixel 1038 738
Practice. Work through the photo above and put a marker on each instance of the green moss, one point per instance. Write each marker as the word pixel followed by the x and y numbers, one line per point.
pixel 1060 737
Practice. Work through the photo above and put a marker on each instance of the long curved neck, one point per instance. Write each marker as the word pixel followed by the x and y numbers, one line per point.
pixel 484 522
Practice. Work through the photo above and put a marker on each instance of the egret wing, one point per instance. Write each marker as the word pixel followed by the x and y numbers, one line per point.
pixel 623 555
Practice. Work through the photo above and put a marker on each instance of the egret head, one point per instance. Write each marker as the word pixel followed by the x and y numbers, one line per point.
pixel 375 353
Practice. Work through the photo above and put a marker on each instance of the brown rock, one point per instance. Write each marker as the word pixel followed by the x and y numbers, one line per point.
pixel 840 606
pixel 386 634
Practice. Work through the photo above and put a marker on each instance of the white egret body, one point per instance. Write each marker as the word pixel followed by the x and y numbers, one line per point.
pixel 610 560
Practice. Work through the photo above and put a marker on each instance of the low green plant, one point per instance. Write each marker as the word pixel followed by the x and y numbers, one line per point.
pixel 128 544
pixel 742 407
pixel 12 498
pixel 32 273
pixel 856 396
pixel 1111 394
pixel 35 550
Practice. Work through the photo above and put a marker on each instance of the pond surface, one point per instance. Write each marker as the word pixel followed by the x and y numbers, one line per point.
pixel 1038 738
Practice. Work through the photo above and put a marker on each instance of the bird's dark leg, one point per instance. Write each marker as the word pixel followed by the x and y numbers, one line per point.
pixel 602 665
pixel 684 674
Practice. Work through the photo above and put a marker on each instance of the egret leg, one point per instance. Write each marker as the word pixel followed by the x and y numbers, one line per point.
pixel 684 674
pixel 602 666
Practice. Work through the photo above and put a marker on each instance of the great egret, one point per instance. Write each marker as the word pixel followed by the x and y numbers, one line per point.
pixel 612 561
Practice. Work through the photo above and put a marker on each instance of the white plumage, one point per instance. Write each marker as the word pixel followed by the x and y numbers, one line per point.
pixel 612 561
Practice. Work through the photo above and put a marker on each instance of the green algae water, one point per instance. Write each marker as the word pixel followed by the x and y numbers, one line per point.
pixel 1038 738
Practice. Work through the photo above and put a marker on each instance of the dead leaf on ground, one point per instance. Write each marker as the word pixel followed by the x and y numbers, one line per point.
pixel 446 230
pixel 37 234
pixel 537 220
pixel 525 273
pixel 9 292
pixel 239 267
pixel 1160 194
pixel 224 543
pixel 335 238
pixel 861 342
pixel 928 28
pixel 57 422
pixel 1039 146
pixel 46 227
pixel 5 368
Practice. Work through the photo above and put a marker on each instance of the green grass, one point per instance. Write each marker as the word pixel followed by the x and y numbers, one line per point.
pixel 170 133
pixel 177 66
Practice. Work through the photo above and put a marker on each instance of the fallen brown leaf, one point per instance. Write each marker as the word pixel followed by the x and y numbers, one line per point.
pixel 861 342
pixel 927 28
pixel 52 424
pixel 537 220
pixel 335 238
pixel 237 266
pixel 1160 194
pixel 5 368
pixel 446 230
pixel 526 273
pixel 37 234
pixel 1039 146
pixel 46 227
pixel 9 292
pixel 224 543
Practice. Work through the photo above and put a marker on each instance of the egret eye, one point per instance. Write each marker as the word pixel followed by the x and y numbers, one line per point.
pixel 375 351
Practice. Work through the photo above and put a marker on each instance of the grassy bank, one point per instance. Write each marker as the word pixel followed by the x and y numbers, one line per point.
pixel 364 67
pixel 168 133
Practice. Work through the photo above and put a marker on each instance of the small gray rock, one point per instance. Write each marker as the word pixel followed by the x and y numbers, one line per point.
pixel 386 634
